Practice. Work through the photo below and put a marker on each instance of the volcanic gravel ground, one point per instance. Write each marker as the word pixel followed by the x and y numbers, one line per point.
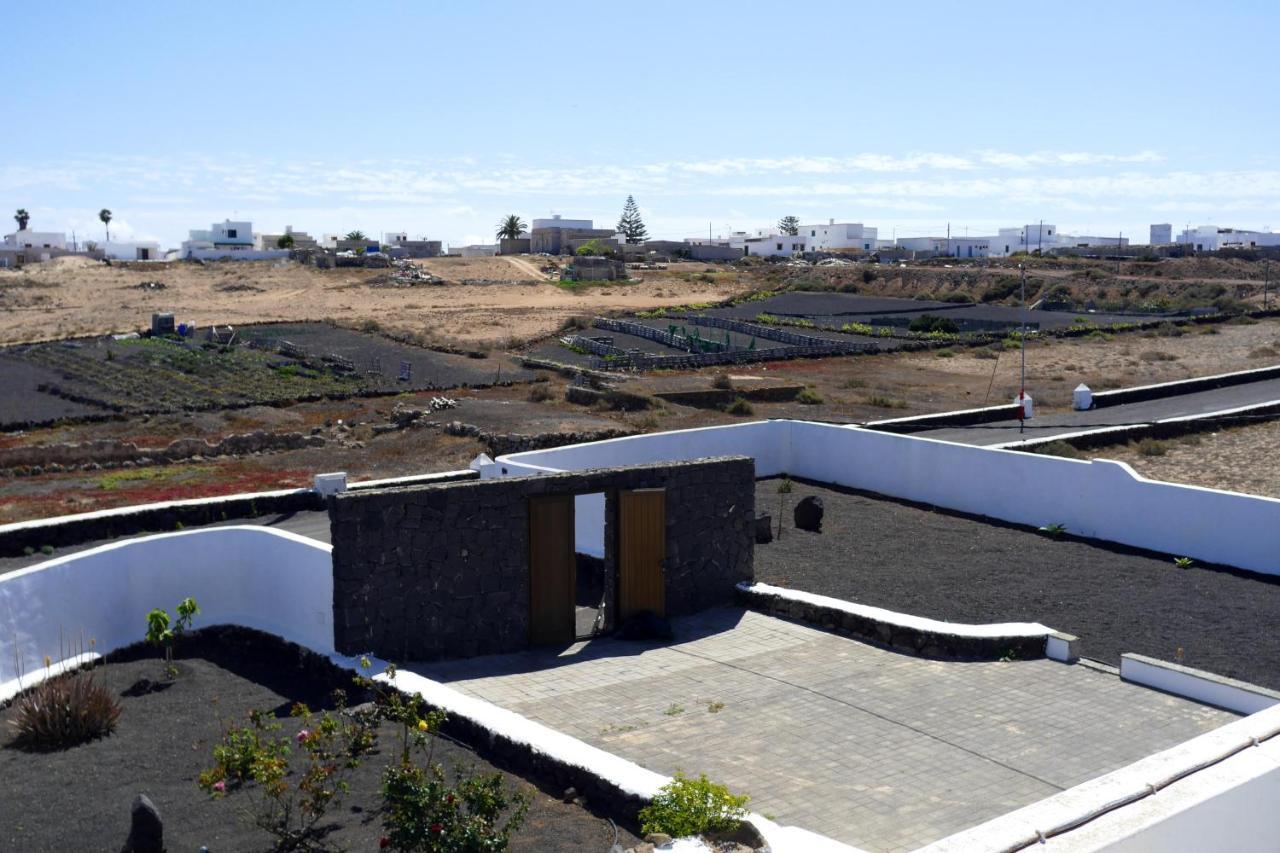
pixel 79 798
pixel 929 562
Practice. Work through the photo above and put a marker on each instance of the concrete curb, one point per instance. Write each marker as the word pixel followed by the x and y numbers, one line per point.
pixel 914 635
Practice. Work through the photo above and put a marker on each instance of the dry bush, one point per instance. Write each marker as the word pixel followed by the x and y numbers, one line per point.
pixel 65 711
pixel 723 382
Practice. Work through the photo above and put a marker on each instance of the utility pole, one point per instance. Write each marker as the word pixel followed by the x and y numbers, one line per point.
pixel 1119 244
pixel 1040 247
pixel 1266 281
pixel 1022 382
pixel 948 239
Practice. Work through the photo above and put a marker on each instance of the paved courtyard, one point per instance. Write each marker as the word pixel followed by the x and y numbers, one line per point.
pixel 879 750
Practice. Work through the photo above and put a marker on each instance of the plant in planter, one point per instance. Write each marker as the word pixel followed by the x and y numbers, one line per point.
pixel 297 780
pixel 687 807
pixel 64 711
pixel 421 811
pixel 784 489
pixel 161 631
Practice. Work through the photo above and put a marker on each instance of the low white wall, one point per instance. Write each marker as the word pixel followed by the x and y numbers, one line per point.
pixel 766 441
pixel 258 577
pixel 1238 696
pixel 1100 499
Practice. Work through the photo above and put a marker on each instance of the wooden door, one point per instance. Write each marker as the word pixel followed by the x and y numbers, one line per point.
pixel 642 552
pixel 552 570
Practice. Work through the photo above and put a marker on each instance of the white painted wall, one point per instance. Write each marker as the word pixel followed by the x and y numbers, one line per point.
pixel 1100 499
pixel 261 578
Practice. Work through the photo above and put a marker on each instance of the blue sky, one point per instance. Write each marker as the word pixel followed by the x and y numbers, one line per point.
pixel 440 118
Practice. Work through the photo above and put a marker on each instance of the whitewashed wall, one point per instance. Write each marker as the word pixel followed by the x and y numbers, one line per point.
pixel 1101 499
pixel 261 578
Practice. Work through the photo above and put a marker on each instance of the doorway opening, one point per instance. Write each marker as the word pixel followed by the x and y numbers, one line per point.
pixel 590 588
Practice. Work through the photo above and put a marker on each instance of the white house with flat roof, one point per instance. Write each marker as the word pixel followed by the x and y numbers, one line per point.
pixel 838 235
pixel 136 250
pixel 1211 238
pixel 557 221
pixel 227 239
pixel 28 239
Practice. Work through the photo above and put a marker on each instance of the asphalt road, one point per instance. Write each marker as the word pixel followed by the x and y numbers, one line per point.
pixel 1198 403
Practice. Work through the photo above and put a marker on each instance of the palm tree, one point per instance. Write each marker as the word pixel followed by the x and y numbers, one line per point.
pixel 22 218
pixel 105 216
pixel 511 227
pixel 355 235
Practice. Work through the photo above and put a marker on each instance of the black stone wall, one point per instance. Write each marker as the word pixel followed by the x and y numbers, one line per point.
pixel 437 571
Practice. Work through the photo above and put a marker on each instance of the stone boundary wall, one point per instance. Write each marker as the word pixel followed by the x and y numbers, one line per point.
pixel 1120 396
pixel 103 453
pixel 503 443
pixel 714 398
pixel 431 572
pixel 912 640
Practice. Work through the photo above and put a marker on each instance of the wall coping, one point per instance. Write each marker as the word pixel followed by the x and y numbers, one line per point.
pixel 1197 684
pixel 1075 807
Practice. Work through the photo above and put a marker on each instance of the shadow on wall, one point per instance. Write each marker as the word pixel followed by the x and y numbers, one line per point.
pixel 270 580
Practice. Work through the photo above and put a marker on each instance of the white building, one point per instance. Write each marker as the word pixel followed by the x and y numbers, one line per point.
pixel 139 250
pixel 567 224
pixel 1161 234
pixel 767 242
pixel 227 239
pixel 1044 237
pixel 950 247
pixel 28 239
pixel 1211 238
pixel 838 235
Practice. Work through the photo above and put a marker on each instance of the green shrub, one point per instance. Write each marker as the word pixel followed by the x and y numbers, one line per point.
pixel 944 353
pixel 65 711
pixel 1060 448
pixel 934 323
pixel 809 397
pixel 1151 447
pixel 882 402
pixel 740 406
pixel 691 807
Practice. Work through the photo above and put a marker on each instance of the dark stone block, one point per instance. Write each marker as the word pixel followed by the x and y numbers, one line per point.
pixel 146 829
pixel 764 529
pixel 808 514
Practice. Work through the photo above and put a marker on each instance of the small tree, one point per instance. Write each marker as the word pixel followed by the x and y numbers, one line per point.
pixel 511 227
pixel 789 225
pixel 784 489
pixel 355 235
pixel 631 225
pixel 162 632
pixel 105 216
pixel 22 218
pixel 285 241
pixel 594 248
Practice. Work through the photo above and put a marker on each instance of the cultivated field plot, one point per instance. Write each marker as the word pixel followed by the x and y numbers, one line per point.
pixel 928 562
pixel 877 749
pixel 837 309
pixel 43 382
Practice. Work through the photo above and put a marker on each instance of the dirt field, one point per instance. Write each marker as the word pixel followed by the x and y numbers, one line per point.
pixel 74 297
pixel 1243 459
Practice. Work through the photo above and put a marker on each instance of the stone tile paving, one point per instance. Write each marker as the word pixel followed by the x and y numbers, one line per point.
pixel 879 750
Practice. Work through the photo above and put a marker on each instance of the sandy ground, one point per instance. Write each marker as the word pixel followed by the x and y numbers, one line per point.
pixel 73 297
pixel 1243 459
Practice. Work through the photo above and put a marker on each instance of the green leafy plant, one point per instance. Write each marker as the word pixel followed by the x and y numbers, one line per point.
pixel 809 397
pixel 1055 531
pixel 64 711
pixel 161 631
pixel 421 811
pixel 1183 562
pixel 294 781
pixel 740 406
pixel 691 807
